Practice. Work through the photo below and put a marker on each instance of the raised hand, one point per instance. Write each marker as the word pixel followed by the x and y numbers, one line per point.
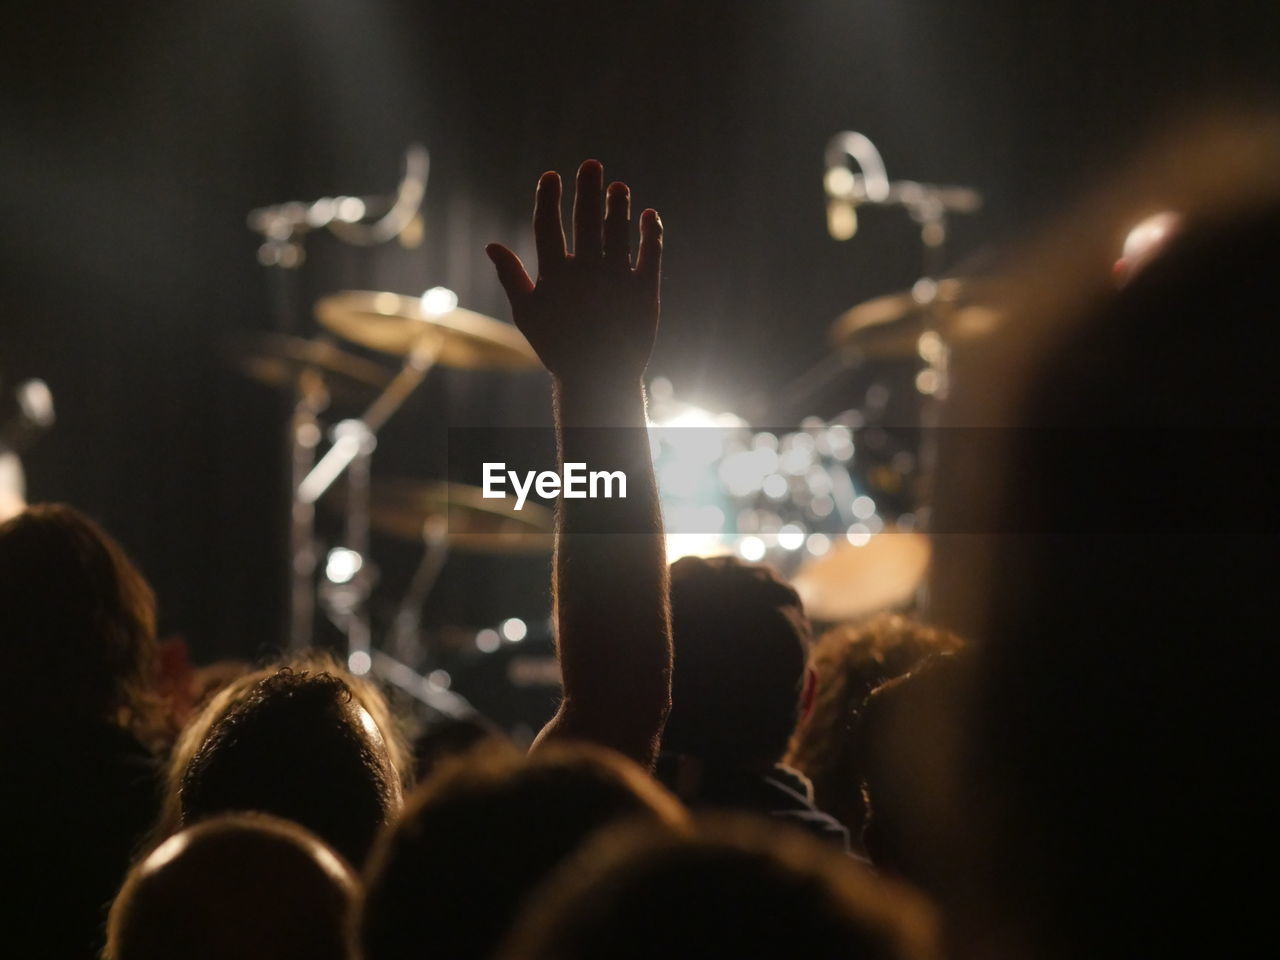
pixel 591 315
pixel 592 318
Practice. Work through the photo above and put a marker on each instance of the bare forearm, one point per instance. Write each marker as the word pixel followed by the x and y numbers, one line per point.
pixel 592 317
pixel 610 579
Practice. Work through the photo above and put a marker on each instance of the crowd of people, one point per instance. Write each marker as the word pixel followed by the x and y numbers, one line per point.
pixel 1063 762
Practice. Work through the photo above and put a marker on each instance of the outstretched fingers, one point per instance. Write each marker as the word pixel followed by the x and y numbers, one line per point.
pixel 617 226
pixel 588 214
pixel 548 230
pixel 649 262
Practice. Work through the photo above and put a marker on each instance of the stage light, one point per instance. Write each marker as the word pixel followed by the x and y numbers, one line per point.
pixel 487 641
pixel 342 565
pixel 791 536
pixel 350 209
pixel 438 301
pixel 863 507
pixel 514 629
pixel 839 441
pixel 751 548
pixel 818 544
pixel 439 680
pixel 859 535
pixel 775 486
pixel 927 382
pixel 359 662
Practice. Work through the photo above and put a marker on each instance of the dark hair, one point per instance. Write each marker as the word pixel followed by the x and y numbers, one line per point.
pixel 738 888
pixel 741 641
pixel 908 745
pixel 246 886
pixel 850 661
pixel 1125 605
pixel 79 618
pixel 297 745
pixel 480 835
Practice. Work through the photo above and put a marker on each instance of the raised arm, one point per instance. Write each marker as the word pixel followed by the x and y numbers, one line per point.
pixel 592 318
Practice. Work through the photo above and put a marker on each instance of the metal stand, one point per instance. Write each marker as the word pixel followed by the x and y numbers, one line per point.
pixel 349 576
pixel 928 205
pixel 284 228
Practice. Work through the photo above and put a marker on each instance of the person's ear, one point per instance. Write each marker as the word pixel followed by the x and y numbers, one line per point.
pixel 808 694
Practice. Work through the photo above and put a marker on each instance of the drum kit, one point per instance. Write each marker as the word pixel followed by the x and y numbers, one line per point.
pixel 838 504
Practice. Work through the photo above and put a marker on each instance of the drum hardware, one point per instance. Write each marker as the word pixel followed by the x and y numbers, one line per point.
pixel 284 229
pixel 445 335
pixel 927 204
pixel 284 226
pixel 852 581
pixel 408 509
pixel 317 368
pixel 928 320
pixel 32 415
pixel 395 324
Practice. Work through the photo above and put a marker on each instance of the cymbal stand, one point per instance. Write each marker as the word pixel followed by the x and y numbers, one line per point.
pixel 349 576
pixel 929 205
pixel 408 619
pixel 284 228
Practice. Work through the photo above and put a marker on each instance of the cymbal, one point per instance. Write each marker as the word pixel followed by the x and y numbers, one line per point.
pixel 278 361
pixel 402 508
pixel 395 324
pixel 851 582
pixel 889 327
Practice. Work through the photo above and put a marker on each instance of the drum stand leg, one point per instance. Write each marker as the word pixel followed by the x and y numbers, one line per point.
pixel 349 576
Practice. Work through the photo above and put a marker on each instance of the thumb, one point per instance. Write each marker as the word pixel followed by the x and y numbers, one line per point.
pixel 511 272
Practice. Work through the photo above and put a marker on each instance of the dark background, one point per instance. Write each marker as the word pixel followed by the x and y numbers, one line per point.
pixel 137 135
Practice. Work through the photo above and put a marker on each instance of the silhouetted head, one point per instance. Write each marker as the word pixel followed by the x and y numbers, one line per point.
pixel 849 662
pixel 738 888
pixel 299 745
pixel 907 745
pixel 741 642
pixel 76 618
pixel 477 838
pixel 448 738
pixel 245 887
pixel 1110 557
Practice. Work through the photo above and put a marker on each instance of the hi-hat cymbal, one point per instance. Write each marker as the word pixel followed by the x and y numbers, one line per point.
pixel 851 582
pixel 278 360
pixel 890 327
pixel 469 521
pixel 396 324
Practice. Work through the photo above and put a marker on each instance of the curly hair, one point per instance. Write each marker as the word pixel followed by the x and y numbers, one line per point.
pixel 80 618
pixel 316 675
pixel 851 661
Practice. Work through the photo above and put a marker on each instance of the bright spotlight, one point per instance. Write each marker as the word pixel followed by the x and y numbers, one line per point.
pixel 514 629
pixel 438 301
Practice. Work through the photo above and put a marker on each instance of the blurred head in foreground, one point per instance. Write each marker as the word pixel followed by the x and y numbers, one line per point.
pixel 78 619
pixel 308 742
pixel 480 835
pixel 849 663
pixel 247 887
pixel 1100 538
pixel 739 888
